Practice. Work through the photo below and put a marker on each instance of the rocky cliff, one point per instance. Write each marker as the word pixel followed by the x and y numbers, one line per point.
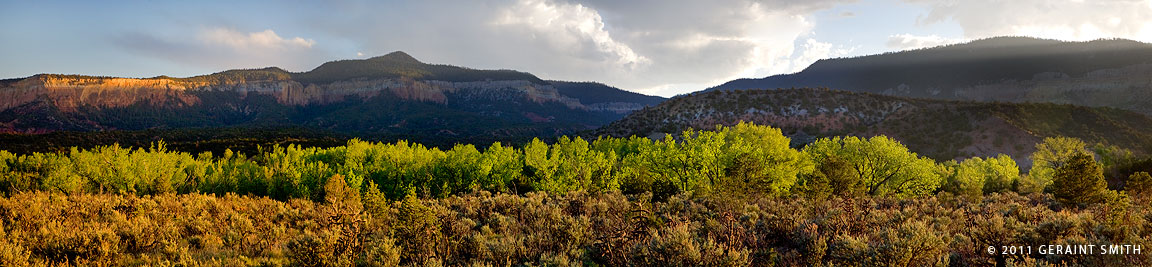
pixel 391 95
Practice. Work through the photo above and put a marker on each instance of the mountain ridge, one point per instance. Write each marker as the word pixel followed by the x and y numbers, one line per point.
pixel 390 95
pixel 1112 72
pixel 942 129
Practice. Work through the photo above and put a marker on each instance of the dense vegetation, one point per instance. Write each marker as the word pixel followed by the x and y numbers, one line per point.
pixel 555 230
pixel 731 196
pixel 936 128
pixel 245 140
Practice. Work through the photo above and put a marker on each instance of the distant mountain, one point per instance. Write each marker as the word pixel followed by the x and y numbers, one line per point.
pixel 603 96
pixel 399 64
pixel 1106 73
pixel 391 96
pixel 937 128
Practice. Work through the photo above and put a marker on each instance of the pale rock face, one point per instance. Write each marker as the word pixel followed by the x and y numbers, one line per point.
pixel 70 93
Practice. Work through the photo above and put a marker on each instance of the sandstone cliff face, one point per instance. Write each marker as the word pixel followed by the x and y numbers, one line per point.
pixel 69 93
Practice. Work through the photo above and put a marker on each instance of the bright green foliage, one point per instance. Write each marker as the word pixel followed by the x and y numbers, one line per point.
pixel 883 166
pixel 630 171
pixel 583 168
pixel 1079 181
pixel 977 176
pixel 763 160
pixel 398 169
pixel 568 165
pixel 456 172
pixel 539 165
pixel 745 158
pixel 1001 174
pixel 502 166
pixel 695 162
pixel 1050 154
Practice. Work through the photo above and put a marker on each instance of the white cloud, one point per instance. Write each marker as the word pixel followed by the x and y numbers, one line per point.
pixel 1074 20
pixel 567 27
pixel 224 48
pixel 815 50
pixel 266 39
pixel 663 47
pixel 909 41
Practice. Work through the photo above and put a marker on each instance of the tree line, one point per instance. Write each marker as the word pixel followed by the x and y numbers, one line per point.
pixel 743 159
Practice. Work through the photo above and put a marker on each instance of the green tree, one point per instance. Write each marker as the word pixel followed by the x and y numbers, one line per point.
pixel 457 172
pixel 1002 174
pixel 503 165
pixel 1079 180
pixel 759 158
pixel 1050 155
pixel 579 167
pixel 695 163
pixel 883 166
pixel 539 165
pixel 977 176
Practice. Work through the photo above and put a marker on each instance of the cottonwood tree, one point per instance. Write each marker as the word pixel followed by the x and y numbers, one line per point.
pixel 977 176
pixel 883 166
pixel 1050 155
pixel 760 158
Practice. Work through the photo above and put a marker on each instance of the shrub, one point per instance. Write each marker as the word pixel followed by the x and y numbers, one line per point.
pixel 1139 185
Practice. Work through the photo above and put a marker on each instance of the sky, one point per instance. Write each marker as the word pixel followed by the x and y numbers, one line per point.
pixel 656 47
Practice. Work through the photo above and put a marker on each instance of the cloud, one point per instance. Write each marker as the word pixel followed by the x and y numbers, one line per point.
pixel 663 47
pixel 1076 20
pixel 225 48
pixel 909 41
pixel 814 50
pixel 567 27
pixel 266 39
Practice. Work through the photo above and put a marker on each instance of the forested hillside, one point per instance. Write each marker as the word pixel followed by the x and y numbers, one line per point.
pixel 936 128
pixel 732 196
pixel 1099 73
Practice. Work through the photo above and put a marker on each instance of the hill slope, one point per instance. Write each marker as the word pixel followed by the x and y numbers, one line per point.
pixel 937 128
pixel 1107 73
pixel 391 96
